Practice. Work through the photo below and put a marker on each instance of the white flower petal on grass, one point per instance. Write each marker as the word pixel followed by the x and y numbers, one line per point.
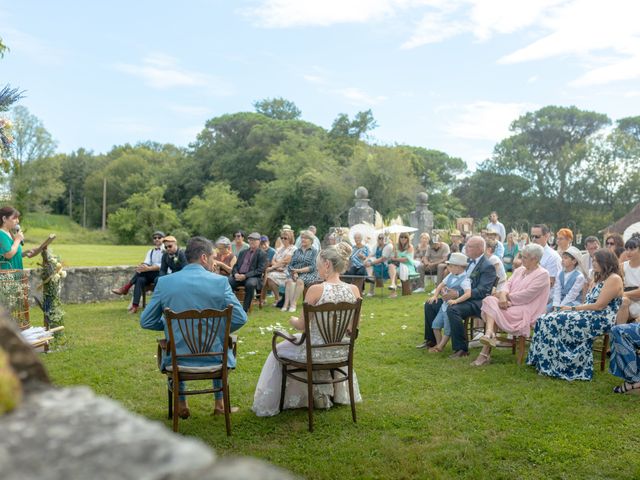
pixel 240 341
pixel 382 333
pixel 251 353
pixel 403 327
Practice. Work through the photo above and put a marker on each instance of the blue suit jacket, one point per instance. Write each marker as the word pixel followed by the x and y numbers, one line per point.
pixel 192 288
pixel 482 281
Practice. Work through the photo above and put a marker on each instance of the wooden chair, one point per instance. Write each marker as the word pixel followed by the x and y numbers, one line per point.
pixel 240 294
pixel 357 280
pixel 199 330
pixel 602 350
pixel 147 289
pixel 332 322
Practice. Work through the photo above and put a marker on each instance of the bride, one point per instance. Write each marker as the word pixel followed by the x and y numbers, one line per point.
pixel 330 262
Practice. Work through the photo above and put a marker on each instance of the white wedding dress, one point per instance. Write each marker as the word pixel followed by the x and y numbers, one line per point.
pixel 266 400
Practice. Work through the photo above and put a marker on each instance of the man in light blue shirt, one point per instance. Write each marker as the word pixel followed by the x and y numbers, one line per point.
pixel 194 287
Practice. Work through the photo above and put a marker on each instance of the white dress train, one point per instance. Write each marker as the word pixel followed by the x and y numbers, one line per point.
pixel 266 400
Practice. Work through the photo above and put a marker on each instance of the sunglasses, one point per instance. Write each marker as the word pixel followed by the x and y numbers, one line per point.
pixel 609 244
pixel 380 238
pixel 535 237
pixel 284 238
pixel 157 238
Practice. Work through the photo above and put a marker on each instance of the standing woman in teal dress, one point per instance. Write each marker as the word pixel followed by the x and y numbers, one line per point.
pixel 10 240
pixel 562 344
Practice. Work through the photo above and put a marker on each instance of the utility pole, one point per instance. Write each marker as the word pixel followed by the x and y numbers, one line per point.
pixel 84 212
pixel 70 203
pixel 104 203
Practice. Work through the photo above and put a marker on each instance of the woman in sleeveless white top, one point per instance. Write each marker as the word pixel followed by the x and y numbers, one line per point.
pixel 266 400
pixel 630 308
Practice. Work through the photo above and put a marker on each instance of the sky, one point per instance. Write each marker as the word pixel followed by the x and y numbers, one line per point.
pixel 449 75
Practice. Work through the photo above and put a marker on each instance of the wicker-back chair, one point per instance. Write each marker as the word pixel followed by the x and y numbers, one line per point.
pixel 14 293
pixel 199 333
pixel 337 324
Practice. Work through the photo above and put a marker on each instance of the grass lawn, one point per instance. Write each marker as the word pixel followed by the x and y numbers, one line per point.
pixel 423 415
pixel 94 255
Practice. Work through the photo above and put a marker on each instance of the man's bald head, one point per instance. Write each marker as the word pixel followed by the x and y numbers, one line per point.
pixel 474 247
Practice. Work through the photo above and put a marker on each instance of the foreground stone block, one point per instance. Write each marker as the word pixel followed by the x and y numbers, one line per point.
pixel 73 434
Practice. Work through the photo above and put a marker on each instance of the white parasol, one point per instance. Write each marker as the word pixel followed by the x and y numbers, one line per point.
pixel 397 229
pixel 630 230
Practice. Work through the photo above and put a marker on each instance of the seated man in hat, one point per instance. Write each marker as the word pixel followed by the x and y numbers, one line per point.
pixel 173 258
pixel 248 270
pixel 146 273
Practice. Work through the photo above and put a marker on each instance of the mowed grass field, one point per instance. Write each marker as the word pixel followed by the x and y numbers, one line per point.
pixel 423 415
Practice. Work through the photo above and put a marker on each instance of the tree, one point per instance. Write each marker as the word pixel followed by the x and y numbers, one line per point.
pixel 39 184
pixel 278 109
pixel 345 134
pixel 143 213
pixel 219 211
pixel 31 140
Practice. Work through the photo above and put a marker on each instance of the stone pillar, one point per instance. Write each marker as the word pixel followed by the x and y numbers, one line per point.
pixel 421 218
pixel 361 212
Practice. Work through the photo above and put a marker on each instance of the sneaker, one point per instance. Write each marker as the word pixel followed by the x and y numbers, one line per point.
pixel 292 309
pixel 418 290
pixel 370 294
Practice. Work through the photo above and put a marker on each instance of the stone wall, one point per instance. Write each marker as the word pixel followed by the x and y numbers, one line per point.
pixel 88 284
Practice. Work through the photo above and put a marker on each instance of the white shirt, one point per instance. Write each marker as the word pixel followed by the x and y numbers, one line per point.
pixel 498 227
pixel 154 257
pixel 574 294
pixel 551 261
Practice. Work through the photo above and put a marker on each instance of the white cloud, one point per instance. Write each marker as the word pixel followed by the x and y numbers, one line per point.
pixel 24 44
pixel 129 125
pixel 162 72
pixel 484 120
pixel 358 97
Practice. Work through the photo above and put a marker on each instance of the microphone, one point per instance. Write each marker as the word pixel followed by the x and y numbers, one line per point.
pixel 17 229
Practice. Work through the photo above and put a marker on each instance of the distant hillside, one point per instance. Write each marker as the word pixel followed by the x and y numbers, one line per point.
pixel 37 226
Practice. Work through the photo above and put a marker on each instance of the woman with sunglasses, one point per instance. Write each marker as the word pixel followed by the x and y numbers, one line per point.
pixel 615 244
pixel 404 258
pixel 238 244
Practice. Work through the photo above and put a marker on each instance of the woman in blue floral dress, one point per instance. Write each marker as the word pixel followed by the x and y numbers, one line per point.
pixel 562 344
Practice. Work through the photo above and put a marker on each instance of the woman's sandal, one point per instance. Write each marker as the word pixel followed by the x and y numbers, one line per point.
pixel 483 359
pixel 489 340
pixel 435 350
pixel 633 388
pixel 220 411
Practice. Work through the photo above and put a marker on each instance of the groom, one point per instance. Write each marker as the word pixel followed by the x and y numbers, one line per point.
pixel 194 287
pixel 483 276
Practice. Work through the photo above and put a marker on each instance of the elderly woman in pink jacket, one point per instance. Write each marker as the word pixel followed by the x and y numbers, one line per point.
pixel 516 308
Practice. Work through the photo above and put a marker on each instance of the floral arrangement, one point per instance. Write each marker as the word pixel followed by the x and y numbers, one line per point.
pixel 52 275
pixel 14 294
pixel 8 96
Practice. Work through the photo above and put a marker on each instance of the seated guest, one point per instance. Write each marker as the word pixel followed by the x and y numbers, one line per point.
pixel 515 308
pixel 238 243
pixel 403 260
pixel 330 263
pixel 564 238
pixel 194 288
pixel 489 252
pixel 625 357
pixel 510 252
pixel 173 258
pixel 591 244
pixel 482 276
pixel 379 263
pixel 567 290
pixel 301 271
pixel 146 273
pixel 276 272
pixel 224 260
pixel 615 243
pixel 550 260
pixel 247 272
pixel 523 240
pixel 312 230
pixel 457 264
pixel 359 254
pixel 421 252
pixel 457 241
pixel 269 250
pixel 434 262
pixel 498 250
pixel 630 308
pixel 562 344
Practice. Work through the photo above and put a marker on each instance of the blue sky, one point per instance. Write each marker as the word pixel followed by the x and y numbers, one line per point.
pixel 449 75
